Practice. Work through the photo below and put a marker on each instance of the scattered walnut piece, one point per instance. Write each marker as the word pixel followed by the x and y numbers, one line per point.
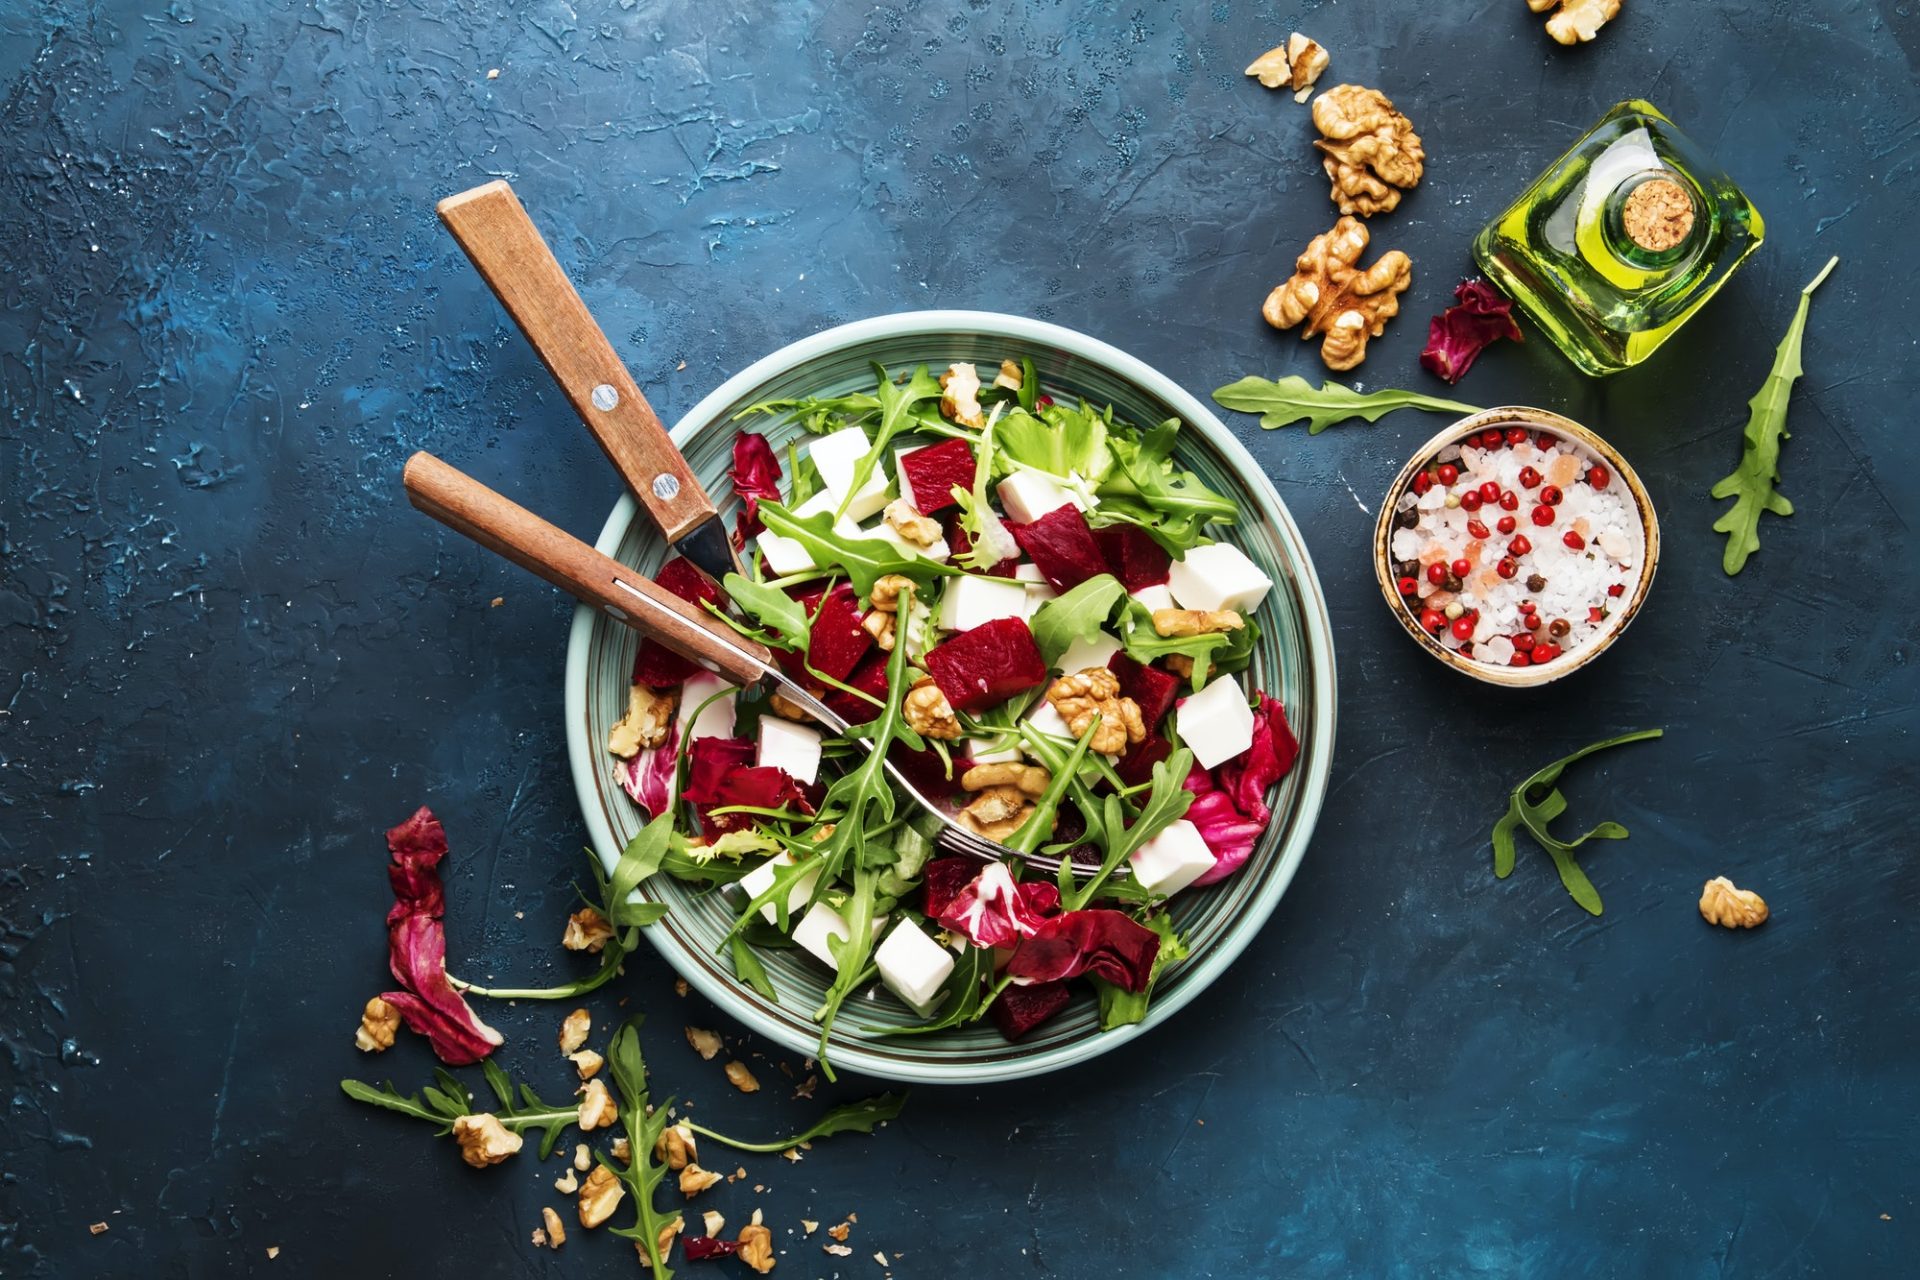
pixel 886 591
pixel 841 1232
pixel 740 1078
pixel 484 1140
pixel 806 1087
pixel 600 1195
pixel 680 987
pixel 378 1023
pixel 587 1063
pixel 96 1228
pixel 1371 150
pixel 573 1030
pixel 694 1180
pixel 929 712
pixel 808 1226
pixel 1030 779
pixel 996 812
pixel 1294 65
pixel 582 1157
pixel 837 1250
pixel 1577 21
pixel 676 1148
pixel 597 1107
pixel 663 1241
pixel 273 1250
pixel 1332 295
pixel 556 1229
pixel 792 1155
pixel 649 713
pixel 905 519
pixel 1011 376
pixel 1271 68
pixel 587 930
pixel 1731 908
pixel 539 1237
pixel 622 1151
pixel 567 1183
pixel 756 1245
pixel 880 625
pixel 1080 696
pixel 705 1043
pixel 713 1222
pixel 960 396
pixel 1195 622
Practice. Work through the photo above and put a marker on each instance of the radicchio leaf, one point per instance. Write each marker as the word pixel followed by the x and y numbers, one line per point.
pixel 762 787
pixel 709 760
pixel 756 475
pixel 1247 776
pixel 993 911
pixel 648 777
pixel 1229 834
pixel 1103 943
pixel 1457 336
pixel 417 946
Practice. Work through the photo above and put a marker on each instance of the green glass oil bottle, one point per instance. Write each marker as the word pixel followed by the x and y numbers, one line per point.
pixel 1620 240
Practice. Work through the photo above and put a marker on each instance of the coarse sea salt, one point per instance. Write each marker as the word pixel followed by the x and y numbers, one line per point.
pixel 1576 582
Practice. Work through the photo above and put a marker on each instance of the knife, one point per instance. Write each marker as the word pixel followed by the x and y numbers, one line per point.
pixel 513 258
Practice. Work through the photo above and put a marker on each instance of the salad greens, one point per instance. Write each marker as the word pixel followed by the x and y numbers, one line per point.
pixel 644 1123
pixel 1536 802
pixel 1291 399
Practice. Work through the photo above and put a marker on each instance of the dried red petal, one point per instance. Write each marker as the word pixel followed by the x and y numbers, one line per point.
pixel 417 946
pixel 700 1248
pixel 1457 336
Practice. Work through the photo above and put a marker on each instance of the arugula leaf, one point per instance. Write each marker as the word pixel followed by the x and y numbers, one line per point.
pixel 1166 803
pixel 1039 823
pixel 1525 811
pixel 531 1112
pixel 642 857
pixel 1227 651
pixel 863 1116
pixel 440 1106
pixel 896 405
pixel 772 608
pixel 645 1124
pixel 1292 399
pixel 1146 488
pixel 747 968
pixel 446 1100
pixel 1752 484
pixel 864 559
pixel 1119 1007
pixel 1077 615
pixel 1058 440
pixel 818 414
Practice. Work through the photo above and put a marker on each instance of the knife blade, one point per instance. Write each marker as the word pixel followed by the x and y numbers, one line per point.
pixel 510 254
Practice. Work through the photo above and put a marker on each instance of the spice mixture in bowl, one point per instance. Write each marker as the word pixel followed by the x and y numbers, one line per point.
pixel 1516 545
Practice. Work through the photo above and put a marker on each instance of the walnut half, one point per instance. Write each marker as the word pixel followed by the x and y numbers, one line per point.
pixel 1730 908
pixel 1096 691
pixel 484 1140
pixel 1331 294
pixel 1372 153
pixel 379 1021
pixel 1577 21
pixel 928 711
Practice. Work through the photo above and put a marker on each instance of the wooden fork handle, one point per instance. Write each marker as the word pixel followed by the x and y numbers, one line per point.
pixel 513 258
pixel 501 525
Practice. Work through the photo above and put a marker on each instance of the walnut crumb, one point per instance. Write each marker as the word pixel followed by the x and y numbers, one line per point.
pixel 713 1223
pixel 273 1251
pixel 573 1030
pixel 597 1107
pixel 97 1228
pixel 741 1078
pixel 556 1229
pixel 694 1180
pixel 680 987
pixel 587 930
pixel 808 1226
pixel 705 1043
pixel 841 1231
pixel 960 396
pixel 379 1021
pixel 582 1157
pixel 838 1250
pixel 586 1062
pixel 791 1155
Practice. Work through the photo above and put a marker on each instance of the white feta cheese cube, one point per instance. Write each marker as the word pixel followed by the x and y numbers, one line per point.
pixel 1038 590
pixel 760 879
pixel 972 602
pixel 820 923
pixel 913 967
pixel 1218 577
pixel 1029 572
pixel 1027 495
pixel 1082 654
pixel 714 722
pixel 836 456
pixel 982 751
pixel 1043 717
pixel 1216 723
pixel 1172 860
pixel 1156 597
pixel 786 555
pixel 789 746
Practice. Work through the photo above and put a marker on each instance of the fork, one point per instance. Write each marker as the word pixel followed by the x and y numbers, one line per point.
pixel 508 529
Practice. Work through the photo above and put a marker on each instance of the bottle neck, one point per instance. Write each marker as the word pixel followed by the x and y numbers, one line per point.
pixel 1652 219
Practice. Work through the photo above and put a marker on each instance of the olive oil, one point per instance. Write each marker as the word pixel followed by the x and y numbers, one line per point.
pixel 1620 240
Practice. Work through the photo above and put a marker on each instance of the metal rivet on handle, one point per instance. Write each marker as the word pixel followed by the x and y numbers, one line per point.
pixel 665 486
pixel 605 397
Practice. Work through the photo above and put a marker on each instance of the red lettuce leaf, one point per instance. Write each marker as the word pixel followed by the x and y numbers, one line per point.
pixel 762 786
pixel 994 911
pixel 417 946
pixel 1247 776
pixel 1133 556
pixel 1229 834
pixel 1018 1010
pixel 932 472
pixel 980 668
pixel 1103 943
pixel 1061 546
pixel 648 777
pixel 1457 336
pixel 756 475
pixel 655 665
pixel 709 761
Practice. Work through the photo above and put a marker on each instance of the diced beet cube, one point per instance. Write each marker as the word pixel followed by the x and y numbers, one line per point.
pixel 942 880
pixel 925 770
pixel 1061 546
pixel 838 640
pixel 869 677
pixel 1134 557
pixel 1136 766
pixel 654 664
pixel 1018 1010
pixel 962 542
pixel 1151 688
pixel 984 667
pixel 932 473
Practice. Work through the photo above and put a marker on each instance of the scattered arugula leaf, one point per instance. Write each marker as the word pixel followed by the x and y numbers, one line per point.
pixel 1119 1007
pixel 531 1112
pixel 1753 483
pixel 863 1116
pixel 644 1124
pixel 1292 399
pixel 1537 802
pixel 446 1100
pixel 1078 615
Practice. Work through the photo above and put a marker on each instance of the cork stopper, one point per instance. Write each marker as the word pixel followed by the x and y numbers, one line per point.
pixel 1658 215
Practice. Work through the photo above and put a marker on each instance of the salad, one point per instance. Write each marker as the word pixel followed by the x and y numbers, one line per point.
pixel 1037 615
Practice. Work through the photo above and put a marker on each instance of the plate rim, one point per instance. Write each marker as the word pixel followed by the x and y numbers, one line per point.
pixel 583 760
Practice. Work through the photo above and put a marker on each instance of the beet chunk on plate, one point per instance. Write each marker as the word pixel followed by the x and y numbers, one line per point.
pixel 1018 1010
pixel 1134 557
pixel 942 881
pixel 1150 687
pixel 838 641
pixel 869 677
pixel 1136 767
pixel 983 667
pixel 655 665
pixel 1061 546
pixel 932 472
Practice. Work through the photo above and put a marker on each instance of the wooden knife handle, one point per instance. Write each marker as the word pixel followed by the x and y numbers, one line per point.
pixel 498 523
pixel 513 258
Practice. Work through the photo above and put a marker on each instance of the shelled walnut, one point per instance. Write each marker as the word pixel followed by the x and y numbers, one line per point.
pixel 1577 21
pixel 1731 908
pixel 928 711
pixel 1080 696
pixel 1294 65
pixel 960 396
pixel 1333 296
pixel 1372 153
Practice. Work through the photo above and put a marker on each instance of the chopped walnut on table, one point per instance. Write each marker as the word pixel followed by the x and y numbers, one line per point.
pixel 960 396
pixel 705 1043
pixel 597 1107
pixel 567 1183
pixel 663 1241
pixel 587 930
pixel 1731 908
pixel 1096 691
pixel 1028 779
pixel 1195 622
pixel 556 1229
pixel 676 1148
pixel 1372 152
pixel 1294 65
pixel 1577 21
pixel 929 713
pixel 586 1062
pixel 905 519
pixel 741 1078
pixel 600 1195
pixel 756 1245
pixel 573 1030
pixel 713 1222
pixel 694 1180
pixel 379 1021
pixel 484 1140
pixel 649 713
pixel 996 812
pixel 1331 294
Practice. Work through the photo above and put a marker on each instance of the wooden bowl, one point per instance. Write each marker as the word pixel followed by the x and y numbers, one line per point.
pixel 1589 649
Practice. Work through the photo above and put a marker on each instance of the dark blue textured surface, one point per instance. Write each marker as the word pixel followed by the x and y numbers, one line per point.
pixel 230 656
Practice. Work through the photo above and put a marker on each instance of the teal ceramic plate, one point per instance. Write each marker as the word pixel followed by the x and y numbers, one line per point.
pixel 1294 662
